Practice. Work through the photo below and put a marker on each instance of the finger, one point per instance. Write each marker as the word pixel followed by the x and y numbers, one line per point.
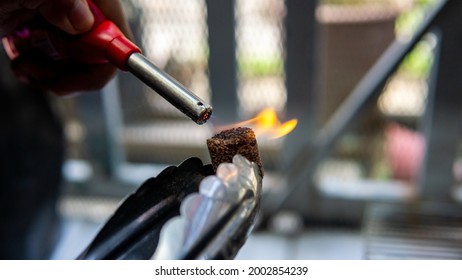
pixel 14 13
pixel 7 7
pixel 15 19
pixel 33 68
pixel 72 16
pixel 83 78
pixel 62 77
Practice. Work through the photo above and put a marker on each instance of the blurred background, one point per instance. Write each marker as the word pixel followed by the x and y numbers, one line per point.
pixel 372 170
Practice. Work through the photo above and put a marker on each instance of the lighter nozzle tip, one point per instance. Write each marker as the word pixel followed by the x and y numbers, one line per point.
pixel 205 114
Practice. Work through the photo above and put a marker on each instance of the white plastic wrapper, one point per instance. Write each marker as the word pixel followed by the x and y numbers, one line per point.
pixel 233 192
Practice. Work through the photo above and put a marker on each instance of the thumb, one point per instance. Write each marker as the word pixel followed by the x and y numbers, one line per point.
pixel 72 16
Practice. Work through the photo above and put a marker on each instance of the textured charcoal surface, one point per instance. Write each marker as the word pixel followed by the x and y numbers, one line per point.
pixel 226 144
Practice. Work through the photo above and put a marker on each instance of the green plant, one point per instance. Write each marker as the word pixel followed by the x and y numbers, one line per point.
pixel 355 2
pixel 260 66
pixel 418 62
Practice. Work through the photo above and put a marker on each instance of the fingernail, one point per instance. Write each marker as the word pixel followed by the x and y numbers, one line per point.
pixel 80 16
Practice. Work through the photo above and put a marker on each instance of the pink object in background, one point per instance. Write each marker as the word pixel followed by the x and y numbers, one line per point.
pixel 404 150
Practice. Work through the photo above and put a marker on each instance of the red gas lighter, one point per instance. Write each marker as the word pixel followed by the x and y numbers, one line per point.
pixel 104 43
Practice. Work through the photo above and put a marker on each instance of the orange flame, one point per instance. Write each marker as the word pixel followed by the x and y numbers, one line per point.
pixel 266 123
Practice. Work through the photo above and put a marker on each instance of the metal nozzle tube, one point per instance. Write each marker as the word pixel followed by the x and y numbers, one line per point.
pixel 169 88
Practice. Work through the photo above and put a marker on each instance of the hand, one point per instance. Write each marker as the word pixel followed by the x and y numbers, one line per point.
pixel 72 16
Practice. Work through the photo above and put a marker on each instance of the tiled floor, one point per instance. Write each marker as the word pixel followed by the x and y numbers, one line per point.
pixel 323 244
